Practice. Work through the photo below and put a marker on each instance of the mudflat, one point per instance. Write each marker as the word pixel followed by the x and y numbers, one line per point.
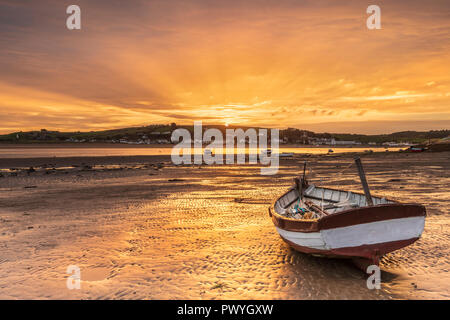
pixel 142 228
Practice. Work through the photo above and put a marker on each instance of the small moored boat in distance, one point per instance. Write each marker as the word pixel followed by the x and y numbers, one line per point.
pixel 266 152
pixel 208 152
pixel 343 224
pixel 286 154
pixel 416 149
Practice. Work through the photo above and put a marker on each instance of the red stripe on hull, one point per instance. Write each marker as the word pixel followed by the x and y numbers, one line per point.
pixel 349 217
pixel 371 214
pixel 372 252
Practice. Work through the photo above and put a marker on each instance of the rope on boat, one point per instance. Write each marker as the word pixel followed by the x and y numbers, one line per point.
pixel 297 209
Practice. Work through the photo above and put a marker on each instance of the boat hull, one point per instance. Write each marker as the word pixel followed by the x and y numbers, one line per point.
pixel 363 234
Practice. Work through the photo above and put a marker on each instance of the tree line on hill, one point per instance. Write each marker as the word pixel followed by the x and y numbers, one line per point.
pixel 160 131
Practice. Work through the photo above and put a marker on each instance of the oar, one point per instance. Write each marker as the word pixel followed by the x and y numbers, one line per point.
pixel 362 176
pixel 304 170
pixel 301 182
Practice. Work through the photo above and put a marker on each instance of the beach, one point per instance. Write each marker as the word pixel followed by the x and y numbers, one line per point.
pixel 139 227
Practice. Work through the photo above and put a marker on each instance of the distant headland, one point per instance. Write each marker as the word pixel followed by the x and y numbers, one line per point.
pixel 160 134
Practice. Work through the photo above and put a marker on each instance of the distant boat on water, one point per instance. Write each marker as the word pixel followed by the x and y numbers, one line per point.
pixel 286 155
pixel 416 149
pixel 269 153
pixel 208 152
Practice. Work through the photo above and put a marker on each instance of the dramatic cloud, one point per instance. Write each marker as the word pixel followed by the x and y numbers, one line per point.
pixel 307 64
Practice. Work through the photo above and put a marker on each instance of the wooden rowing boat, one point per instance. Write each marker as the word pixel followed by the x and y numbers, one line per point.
pixel 343 224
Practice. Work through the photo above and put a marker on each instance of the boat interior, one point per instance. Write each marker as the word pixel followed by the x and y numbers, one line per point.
pixel 318 202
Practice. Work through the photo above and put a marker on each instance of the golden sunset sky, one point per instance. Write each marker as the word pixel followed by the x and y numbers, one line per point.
pixel 306 64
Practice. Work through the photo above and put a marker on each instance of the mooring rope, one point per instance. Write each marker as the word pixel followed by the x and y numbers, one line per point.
pixel 347 167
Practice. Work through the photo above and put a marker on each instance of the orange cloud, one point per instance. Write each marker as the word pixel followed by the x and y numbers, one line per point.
pixel 306 64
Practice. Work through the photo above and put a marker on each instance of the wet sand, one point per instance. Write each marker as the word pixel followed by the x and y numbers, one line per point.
pixel 141 228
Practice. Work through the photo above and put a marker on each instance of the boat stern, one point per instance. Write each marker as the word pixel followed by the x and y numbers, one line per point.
pixel 371 232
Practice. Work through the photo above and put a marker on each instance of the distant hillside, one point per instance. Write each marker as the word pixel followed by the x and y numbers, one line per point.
pixel 160 133
pixel 413 137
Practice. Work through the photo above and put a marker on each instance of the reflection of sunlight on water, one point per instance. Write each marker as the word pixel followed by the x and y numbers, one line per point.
pixel 143 151
pixel 95 274
pixel 207 242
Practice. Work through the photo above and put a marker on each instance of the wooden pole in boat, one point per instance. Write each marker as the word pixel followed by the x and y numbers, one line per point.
pixel 300 182
pixel 362 176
